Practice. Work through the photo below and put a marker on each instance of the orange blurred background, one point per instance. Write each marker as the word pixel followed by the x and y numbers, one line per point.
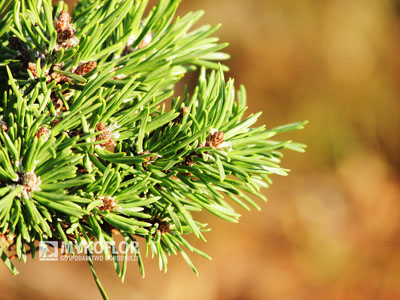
pixel 331 230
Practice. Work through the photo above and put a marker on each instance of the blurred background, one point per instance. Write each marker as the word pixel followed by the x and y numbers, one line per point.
pixel 331 230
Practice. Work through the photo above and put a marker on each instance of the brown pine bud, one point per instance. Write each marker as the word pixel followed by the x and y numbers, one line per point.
pixel 100 127
pixel 164 227
pixel 148 158
pixel 43 132
pixel 106 136
pixel 108 203
pixel 185 110
pixel 63 21
pixel 65 35
pixel 145 152
pixel 32 68
pixel 85 68
pixel 215 139
pixel 30 182
pixel 189 162
pixel 110 145
pixel 3 125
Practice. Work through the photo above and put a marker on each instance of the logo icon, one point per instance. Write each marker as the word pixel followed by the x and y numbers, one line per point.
pixel 48 250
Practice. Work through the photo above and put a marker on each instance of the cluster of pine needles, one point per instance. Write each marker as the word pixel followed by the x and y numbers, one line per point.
pixel 88 148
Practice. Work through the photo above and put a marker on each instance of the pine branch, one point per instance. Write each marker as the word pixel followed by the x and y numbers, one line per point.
pixel 88 148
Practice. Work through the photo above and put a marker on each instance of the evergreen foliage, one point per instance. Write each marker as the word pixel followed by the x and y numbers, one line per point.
pixel 88 148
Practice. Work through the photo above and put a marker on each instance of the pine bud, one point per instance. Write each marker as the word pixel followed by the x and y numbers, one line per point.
pixel 185 110
pixel 63 21
pixel 189 162
pixel 164 227
pixel 108 203
pixel 85 68
pixel 100 127
pixel 65 35
pixel 32 68
pixel 105 136
pixel 215 139
pixel 110 145
pixel 30 183
pixel 3 125
pixel 148 158
pixel 43 132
